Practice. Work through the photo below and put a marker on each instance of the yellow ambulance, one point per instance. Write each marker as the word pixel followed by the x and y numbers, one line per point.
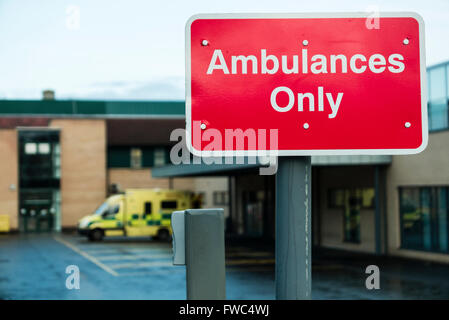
pixel 136 212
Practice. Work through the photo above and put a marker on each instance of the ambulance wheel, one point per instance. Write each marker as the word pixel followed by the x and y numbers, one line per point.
pixel 163 235
pixel 96 235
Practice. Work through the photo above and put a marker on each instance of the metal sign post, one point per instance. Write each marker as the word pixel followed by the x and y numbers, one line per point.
pixel 293 228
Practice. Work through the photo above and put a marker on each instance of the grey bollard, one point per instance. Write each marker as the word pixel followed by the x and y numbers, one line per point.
pixel 204 252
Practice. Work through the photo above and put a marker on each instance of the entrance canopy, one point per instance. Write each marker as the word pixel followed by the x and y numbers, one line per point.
pixel 203 169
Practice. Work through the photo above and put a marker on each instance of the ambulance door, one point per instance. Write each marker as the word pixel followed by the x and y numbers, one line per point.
pixel 150 218
pixel 138 220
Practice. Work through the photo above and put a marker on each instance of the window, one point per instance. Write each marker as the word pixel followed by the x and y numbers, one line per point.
pixel 351 221
pixel 119 157
pixel 114 210
pixel 437 78
pixel 159 157
pixel 368 196
pixel 447 79
pixel 147 209
pixel 338 197
pixel 39 165
pixel 438 98
pixel 110 212
pixel 221 198
pixel 44 148
pixel 56 160
pixel 424 218
pixel 136 158
pixel 37 148
pixel 351 201
pixel 30 148
pixel 169 204
pixel 438 114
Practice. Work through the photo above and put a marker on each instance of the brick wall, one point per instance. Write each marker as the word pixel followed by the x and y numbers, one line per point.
pixel 9 175
pixel 83 167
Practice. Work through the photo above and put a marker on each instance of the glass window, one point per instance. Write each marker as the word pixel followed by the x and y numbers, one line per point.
pixel 337 197
pixel 44 148
pixel 220 198
pixel 159 157
pixel 168 204
pixel 411 218
pixel 424 218
pixel 368 196
pixel 438 115
pixel 353 202
pixel 447 80
pixel 147 208
pixel 443 226
pixel 56 160
pixel 119 157
pixel 136 158
pixel 101 209
pixel 114 209
pixel 30 148
pixel 437 79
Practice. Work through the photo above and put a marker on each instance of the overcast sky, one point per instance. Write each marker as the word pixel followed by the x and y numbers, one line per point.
pixel 134 50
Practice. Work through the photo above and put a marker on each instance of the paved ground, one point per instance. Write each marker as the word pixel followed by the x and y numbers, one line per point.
pixel 33 267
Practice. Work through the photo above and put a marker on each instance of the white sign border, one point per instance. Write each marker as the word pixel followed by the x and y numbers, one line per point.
pixel 322 152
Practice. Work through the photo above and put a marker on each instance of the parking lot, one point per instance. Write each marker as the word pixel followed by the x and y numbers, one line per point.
pixel 33 267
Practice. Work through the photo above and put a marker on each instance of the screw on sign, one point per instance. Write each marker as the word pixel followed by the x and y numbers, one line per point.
pixel 355 90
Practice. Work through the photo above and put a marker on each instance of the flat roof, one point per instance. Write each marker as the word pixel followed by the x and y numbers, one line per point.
pixel 92 108
pixel 203 169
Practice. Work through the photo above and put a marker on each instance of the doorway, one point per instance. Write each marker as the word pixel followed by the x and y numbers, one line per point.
pixel 39 180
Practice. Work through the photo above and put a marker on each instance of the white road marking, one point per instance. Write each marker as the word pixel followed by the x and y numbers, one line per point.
pixel 86 255
pixel 126 253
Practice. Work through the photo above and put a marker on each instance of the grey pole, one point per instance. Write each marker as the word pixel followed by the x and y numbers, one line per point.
pixel 377 211
pixel 205 254
pixel 293 228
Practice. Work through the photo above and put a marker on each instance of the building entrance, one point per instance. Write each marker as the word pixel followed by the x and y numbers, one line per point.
pixel 39 180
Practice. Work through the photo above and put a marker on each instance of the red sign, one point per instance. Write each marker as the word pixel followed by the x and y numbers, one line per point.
pixel 306 84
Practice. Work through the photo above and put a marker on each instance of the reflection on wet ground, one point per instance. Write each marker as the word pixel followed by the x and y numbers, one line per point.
pixel 33 267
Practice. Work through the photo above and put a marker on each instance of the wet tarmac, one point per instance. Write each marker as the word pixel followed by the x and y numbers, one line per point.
pixel 34 267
